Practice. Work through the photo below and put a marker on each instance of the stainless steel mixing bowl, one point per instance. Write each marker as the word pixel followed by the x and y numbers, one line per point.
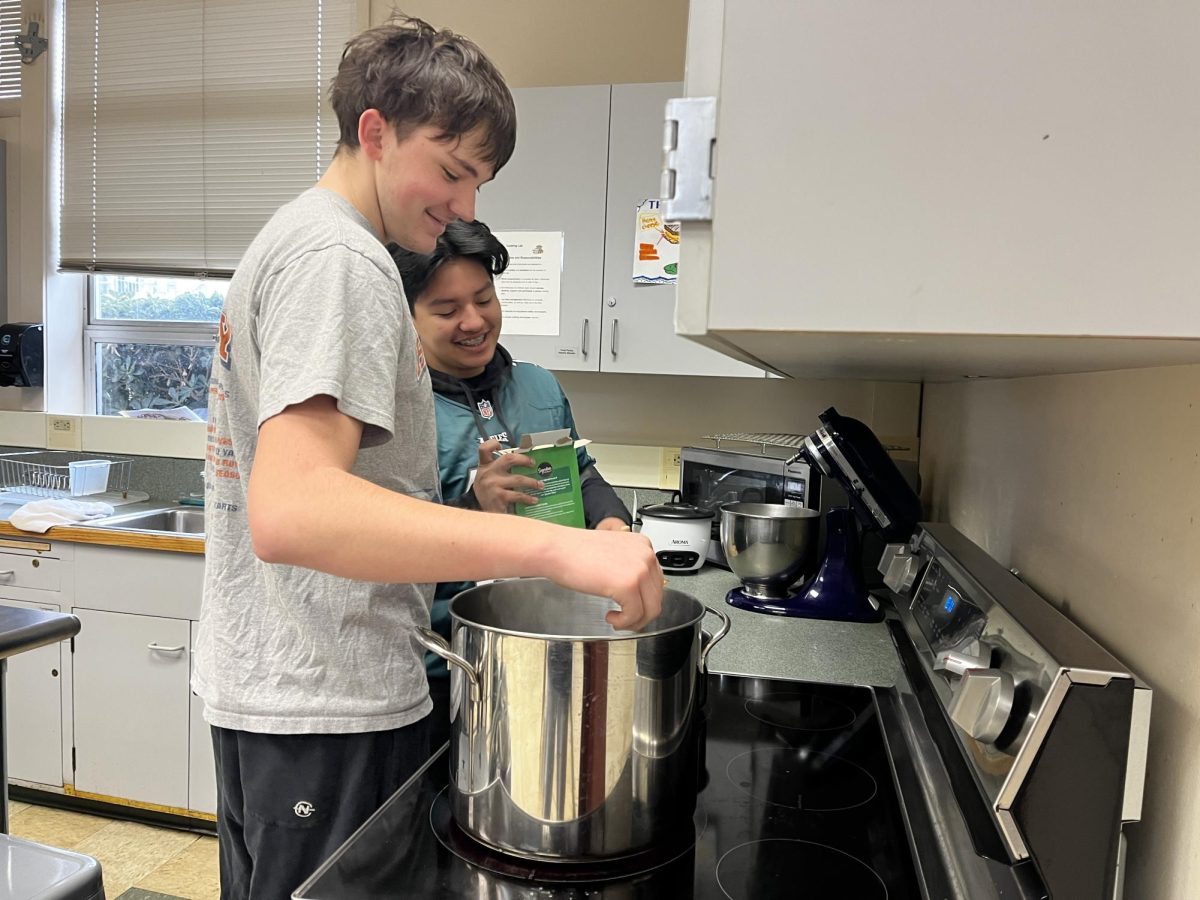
pixel 769 546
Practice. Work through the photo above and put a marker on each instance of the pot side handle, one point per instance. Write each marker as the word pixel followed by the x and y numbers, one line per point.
pixel 712 641
pixel 436 644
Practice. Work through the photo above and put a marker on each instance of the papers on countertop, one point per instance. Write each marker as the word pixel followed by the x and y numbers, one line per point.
pixel 179 414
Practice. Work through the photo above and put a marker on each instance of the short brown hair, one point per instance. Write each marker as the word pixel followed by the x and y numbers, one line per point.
pixel 415 75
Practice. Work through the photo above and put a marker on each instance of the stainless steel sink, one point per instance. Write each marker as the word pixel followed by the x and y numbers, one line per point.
pixel 177 520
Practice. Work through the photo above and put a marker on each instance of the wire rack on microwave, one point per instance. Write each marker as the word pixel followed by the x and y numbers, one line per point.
pixel 770 439
pixel 63 473
pixel 763 439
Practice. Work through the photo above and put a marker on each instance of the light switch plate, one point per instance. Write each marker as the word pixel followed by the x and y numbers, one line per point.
pixel 64 432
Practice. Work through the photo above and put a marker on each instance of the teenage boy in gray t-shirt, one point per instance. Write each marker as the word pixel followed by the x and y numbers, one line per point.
pixel 324 530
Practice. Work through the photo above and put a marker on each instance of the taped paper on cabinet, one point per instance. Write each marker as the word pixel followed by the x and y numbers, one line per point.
pixel 530 289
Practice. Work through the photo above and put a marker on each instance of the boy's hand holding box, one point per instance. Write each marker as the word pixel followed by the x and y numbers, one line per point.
pixel 556 465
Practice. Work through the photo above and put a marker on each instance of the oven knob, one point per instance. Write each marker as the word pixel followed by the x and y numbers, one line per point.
pixel 982 703
pixel 958 661
pixel 899 567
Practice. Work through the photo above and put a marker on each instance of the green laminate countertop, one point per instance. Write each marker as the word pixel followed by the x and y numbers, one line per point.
pixel 791 648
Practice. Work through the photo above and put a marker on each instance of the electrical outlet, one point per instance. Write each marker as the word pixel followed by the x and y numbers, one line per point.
pixel 64 432
pixel 668 472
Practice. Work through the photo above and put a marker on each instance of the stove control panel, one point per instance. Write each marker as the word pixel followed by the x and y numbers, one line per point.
pixel 1047 720
pixel 945 613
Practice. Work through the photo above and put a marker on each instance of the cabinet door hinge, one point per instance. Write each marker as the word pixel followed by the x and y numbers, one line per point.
pixel 689 149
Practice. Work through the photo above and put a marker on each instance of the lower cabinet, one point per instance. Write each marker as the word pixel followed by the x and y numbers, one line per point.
pixel 202 773
pixel 33 709
pixel 110 714
pixel 132 708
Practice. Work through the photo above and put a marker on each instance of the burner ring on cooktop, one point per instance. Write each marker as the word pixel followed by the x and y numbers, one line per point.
pixel 802 710
pixel 803 779
pixel 764 868
pixel 471 851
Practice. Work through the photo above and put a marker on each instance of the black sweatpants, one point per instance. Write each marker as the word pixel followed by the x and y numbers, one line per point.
pixel 287 801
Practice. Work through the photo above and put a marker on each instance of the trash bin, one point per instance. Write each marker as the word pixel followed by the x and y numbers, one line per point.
pixel 29 870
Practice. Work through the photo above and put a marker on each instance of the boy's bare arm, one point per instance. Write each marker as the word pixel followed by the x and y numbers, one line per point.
pixel 307 509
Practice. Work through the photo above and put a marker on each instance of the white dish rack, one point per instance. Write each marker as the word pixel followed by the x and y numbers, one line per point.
pixel 63 473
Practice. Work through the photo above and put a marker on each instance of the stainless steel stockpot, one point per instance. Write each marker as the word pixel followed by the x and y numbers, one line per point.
pixel 569 739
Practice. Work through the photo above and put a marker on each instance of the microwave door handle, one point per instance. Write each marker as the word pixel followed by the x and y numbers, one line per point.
pixel 725 475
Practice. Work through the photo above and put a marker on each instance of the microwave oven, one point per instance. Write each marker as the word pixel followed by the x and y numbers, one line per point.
pixel 710 477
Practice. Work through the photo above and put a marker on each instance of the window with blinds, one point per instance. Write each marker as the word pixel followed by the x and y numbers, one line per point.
pixel 10 56
pixel 187 123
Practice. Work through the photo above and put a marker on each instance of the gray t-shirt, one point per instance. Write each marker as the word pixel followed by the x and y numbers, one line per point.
pixel 316 307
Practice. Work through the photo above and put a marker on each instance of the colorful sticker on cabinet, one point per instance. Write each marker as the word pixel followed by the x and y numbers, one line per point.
pixel 655 245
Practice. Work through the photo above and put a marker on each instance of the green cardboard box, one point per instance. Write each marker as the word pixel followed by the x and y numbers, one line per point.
pixel 556 465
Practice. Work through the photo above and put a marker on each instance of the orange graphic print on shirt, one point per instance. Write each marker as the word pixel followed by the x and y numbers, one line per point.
pixel 224 340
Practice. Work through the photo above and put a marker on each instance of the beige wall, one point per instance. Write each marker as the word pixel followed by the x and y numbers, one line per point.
pixel 549 42
pixel 673 411
pixel 1090 485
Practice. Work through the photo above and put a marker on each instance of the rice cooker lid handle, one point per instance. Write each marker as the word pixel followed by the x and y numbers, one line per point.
pixel 674 511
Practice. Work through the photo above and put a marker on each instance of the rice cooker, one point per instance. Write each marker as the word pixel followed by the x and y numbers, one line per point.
pixel 679 533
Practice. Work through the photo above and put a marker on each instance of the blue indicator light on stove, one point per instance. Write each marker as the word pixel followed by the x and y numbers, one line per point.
pixel 950 603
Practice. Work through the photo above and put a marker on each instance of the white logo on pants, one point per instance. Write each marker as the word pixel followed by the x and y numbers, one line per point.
pixel 304 809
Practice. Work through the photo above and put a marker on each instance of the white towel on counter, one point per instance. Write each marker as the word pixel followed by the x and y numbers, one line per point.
pixel 42 515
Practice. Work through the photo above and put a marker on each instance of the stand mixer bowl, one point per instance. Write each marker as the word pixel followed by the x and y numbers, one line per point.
pixel 769 546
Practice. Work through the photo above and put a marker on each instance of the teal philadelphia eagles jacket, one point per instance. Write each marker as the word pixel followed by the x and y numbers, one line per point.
pixel 507 400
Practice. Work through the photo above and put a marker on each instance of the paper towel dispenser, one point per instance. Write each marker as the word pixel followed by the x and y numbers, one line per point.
pixel 22 355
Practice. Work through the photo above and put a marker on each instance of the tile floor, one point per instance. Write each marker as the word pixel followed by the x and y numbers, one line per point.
pixel 140 862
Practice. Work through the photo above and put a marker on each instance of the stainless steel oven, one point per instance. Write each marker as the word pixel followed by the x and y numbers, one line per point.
pixel 1002 763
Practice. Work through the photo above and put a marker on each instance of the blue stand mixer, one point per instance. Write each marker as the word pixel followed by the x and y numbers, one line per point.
pixel 772 547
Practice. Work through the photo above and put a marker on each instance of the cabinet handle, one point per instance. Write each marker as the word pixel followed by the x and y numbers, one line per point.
pixel 613 344
pixel 587 336
pixel 8 573
pixel 161 649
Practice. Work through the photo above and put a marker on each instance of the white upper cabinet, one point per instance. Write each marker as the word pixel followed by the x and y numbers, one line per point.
pixel 639 319
pixel 555 181
pixel 946 189
pixel 586 156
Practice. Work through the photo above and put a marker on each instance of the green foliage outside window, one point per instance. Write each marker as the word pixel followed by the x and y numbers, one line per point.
pixel 140 373
pixel 153 376
pixel 158 300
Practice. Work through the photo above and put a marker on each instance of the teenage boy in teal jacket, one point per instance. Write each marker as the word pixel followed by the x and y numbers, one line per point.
pixel 483 400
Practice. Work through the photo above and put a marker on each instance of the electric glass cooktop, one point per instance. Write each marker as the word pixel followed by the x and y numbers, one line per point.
pixel 796 800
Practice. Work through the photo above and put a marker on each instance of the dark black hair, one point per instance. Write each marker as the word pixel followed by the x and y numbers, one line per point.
pixel 415 75
pixel 460 240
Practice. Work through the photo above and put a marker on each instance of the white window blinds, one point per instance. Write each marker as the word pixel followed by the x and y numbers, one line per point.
pixel 187 123
pixel 10 56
